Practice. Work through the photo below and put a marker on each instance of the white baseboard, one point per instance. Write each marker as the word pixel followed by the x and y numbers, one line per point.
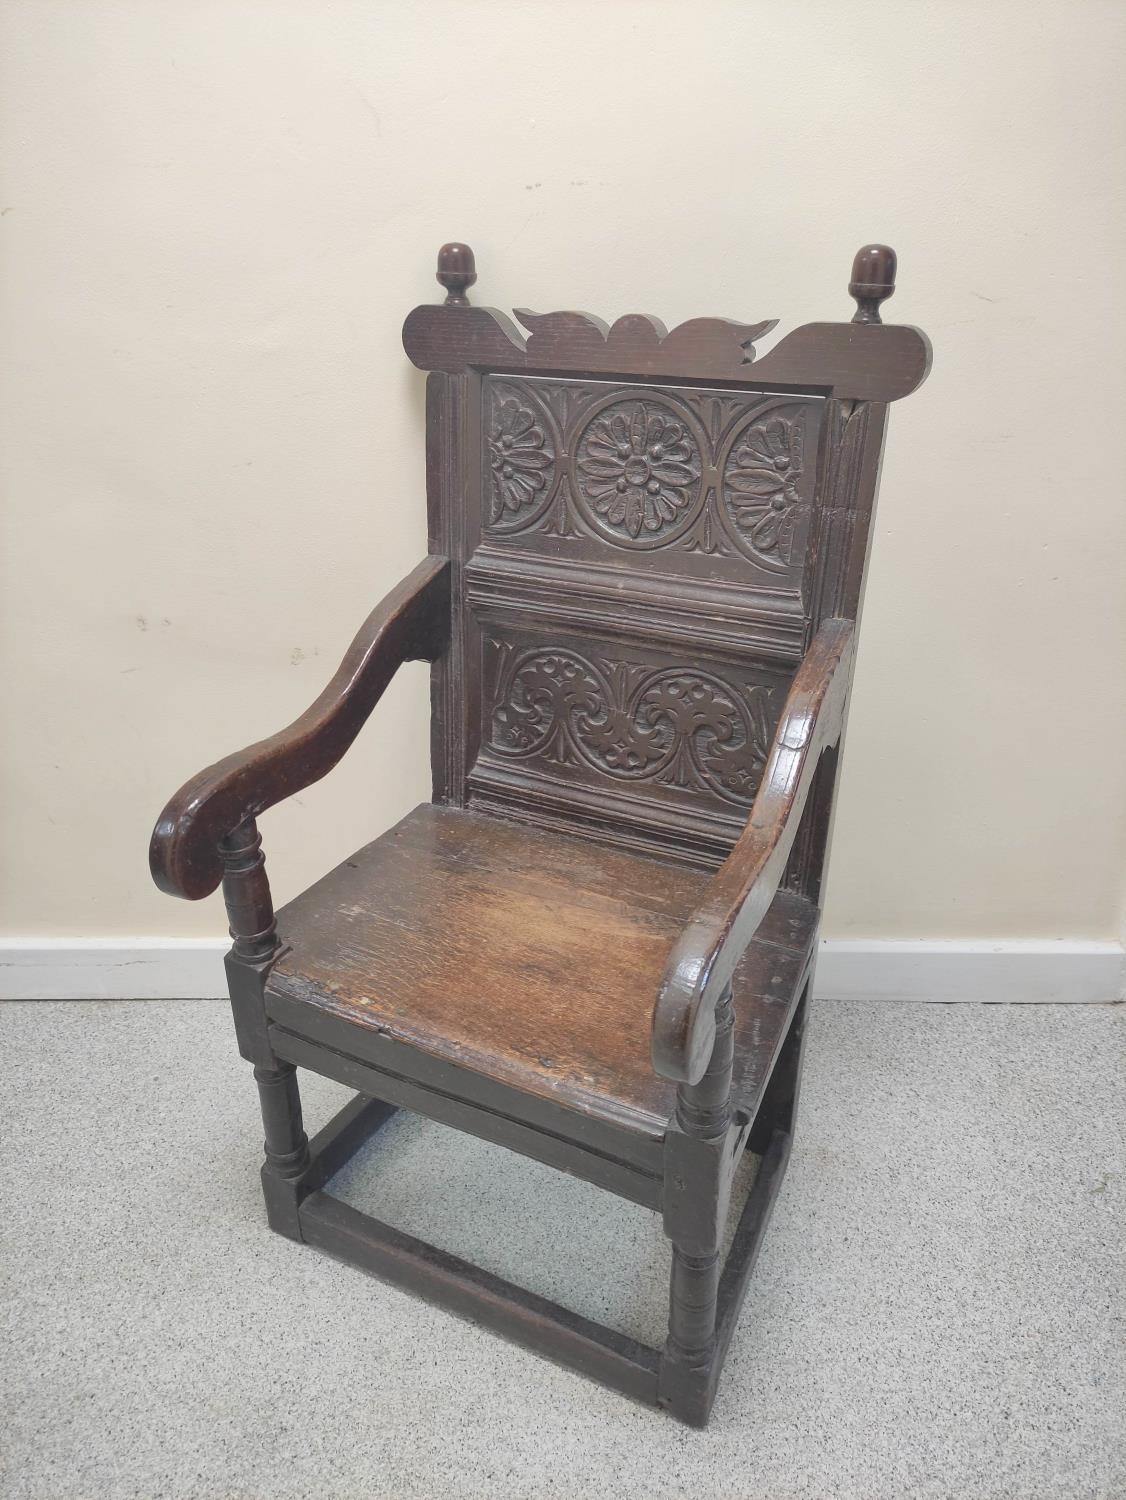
pixel 1011 971
pixel 127 968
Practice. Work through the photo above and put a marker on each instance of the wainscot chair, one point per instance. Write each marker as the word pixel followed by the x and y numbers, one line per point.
pixel 596 944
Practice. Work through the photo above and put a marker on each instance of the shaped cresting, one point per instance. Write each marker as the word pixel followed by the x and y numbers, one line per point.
pixel 816 356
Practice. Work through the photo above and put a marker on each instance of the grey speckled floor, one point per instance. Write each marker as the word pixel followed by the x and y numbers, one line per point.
pixel 939 1309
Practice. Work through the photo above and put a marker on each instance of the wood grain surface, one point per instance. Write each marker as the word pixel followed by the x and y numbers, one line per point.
pixel 526 956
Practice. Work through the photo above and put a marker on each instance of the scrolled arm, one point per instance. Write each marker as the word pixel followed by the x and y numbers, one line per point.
pixel 706 954
pixel 411 624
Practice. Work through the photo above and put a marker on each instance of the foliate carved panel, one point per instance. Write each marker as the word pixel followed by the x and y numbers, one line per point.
pixel 627 722
pixel 704 483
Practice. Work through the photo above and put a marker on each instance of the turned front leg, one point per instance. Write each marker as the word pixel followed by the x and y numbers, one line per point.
pixel 250 910
pixel 697 1187
pixel 286 1145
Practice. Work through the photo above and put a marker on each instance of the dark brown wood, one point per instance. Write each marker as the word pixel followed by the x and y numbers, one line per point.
pixel 411 624
pixel 697 1189
pixel 842 360
pixel 246 893
pixel 873 280
pixel 646 571
pixel 527 957
pixel 638 1148
pixel 777 1109
pixel 456 272
pixel 712 941
pixel 250 911
pixel 486 1120
pixel 745 1246
pixel 286 1146
pixel 520 1315
pixel 295 1166
pixel 336 1143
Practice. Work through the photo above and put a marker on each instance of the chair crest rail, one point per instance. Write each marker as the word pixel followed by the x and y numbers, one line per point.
pixel 412 623
pixel 705 956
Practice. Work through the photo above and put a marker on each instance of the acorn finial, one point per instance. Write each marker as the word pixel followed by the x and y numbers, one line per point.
pixel 873 281
pixel 456 271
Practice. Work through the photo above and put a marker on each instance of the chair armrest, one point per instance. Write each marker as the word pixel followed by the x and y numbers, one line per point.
pixel 716 936
pixel 412 623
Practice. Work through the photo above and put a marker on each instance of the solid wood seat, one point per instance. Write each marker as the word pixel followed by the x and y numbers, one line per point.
pixel 646 558
pixel 527 957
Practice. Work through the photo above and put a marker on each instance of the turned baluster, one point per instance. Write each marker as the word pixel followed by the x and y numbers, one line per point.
pixel 703 1118
pixel 250 910
pixel 246 892
pixel 286 1144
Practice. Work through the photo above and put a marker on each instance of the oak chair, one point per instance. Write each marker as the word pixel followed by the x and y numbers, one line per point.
pixel 596 945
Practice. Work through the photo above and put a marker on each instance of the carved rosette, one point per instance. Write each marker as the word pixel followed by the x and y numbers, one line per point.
pixel 521 460
pixel 760 487
pixel 682 727
pixel 637 472
pixel 709 474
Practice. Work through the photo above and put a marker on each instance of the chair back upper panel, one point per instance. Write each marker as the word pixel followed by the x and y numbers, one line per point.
pixel 646 528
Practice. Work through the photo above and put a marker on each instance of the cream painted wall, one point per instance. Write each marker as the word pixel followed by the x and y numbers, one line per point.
pixel 216 215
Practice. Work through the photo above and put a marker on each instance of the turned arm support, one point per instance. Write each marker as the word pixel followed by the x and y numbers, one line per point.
pixel 706 954
pixel 411 624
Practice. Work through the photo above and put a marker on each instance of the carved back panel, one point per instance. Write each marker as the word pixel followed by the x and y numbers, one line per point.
pixel 646 529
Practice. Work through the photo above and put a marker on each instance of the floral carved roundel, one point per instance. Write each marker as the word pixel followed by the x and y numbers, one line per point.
pixel 761 486
pixel 637 467
pixel 521 462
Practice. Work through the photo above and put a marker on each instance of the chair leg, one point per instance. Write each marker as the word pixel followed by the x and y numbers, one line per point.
pixel 250 908
pixel 688 1376
pixel 286 1147
pixel 698 1182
